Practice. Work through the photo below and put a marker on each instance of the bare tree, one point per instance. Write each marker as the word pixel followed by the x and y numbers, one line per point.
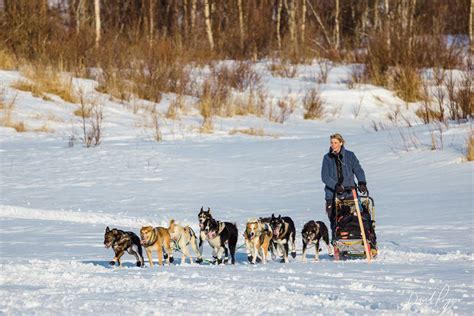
pixel 80 14
pixel 337 27
pixel 241 23
pixel 364 17
pixel 193 15
pixel 278 23
pixel 320 22
pixel 386 23
pixel 376 14
pixel 471 26
pixel 97 22
pixel 303 21
pixel 151 22
pixel 291 8
pixel 411 17
pixel 207 17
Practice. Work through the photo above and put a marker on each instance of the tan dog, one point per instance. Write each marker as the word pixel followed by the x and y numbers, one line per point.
pixel 182 237
pixel 258 236
pixel 156 238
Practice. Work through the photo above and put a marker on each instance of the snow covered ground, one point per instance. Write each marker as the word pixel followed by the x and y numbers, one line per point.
pixel 56 201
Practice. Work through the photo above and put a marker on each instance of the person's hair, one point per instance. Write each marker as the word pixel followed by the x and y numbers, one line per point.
pixel 338 137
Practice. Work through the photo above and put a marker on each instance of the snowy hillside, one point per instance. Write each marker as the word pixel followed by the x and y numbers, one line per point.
pixel 57 199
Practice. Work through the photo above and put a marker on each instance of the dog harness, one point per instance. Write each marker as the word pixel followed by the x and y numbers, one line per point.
pixel 153 238
pixel 281 235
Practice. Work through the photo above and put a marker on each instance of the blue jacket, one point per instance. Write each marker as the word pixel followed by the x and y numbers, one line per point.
pixel 350 167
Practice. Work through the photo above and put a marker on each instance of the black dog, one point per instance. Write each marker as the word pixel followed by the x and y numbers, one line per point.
pixel 312 233
pixel 218 234
pixel 284 234
pixel 203 216
pixel 120 242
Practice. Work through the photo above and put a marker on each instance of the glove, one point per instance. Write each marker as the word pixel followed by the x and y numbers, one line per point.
pixel 339 188
pixel 362 187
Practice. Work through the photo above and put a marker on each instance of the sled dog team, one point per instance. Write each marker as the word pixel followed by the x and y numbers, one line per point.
pixel 274 234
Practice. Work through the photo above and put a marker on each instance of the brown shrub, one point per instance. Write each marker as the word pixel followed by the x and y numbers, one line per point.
pixel 240 76
pixel 313 104
pixel 407 83
pixel 282 69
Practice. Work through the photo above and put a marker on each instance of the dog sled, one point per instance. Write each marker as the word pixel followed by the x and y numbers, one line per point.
pixel 350 241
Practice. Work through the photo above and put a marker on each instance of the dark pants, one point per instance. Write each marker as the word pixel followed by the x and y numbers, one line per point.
pixel 331 213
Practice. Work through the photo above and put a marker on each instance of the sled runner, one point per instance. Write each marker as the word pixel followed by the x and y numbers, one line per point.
pixel 349 241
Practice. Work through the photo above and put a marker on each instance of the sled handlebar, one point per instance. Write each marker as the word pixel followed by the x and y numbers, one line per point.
pixel 349 190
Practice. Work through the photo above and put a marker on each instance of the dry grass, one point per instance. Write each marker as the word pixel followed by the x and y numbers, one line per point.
pixel 206 109
pixel 7 60
pixel 44 129
pixel 282 69
pixel 215 98
pixel 427 115
pixel 110 82
pixel 252 132
pixel 20 127
pixel 252 103
pixel 408 84
pixel 470 147
pixel 27 86
pixel 313 105
pixel 6 108
pixel 42 80
pixel 175 105
pixel 80 110
pixel 207 127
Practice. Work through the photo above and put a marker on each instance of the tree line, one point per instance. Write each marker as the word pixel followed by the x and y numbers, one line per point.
pixel 75 31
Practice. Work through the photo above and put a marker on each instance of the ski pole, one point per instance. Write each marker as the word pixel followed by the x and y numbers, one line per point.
pixel 361 224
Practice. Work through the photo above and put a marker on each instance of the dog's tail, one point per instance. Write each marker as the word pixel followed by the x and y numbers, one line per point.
pixel 191 231
pixel 140 250
pixel 136 241
pixel 324 232
pixel 171 225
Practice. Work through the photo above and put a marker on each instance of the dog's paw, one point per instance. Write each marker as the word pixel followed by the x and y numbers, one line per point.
pixel 112 263
pixel 171 259
pixel 139 264
pixel 199 260
pixel 293 254
pixel 259 260
pixel 304 260
pixel 250 259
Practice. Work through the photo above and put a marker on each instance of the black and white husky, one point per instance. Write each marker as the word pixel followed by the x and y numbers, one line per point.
pixel 312 233
pixel 203 216
pixel 218 234
pixel 284 234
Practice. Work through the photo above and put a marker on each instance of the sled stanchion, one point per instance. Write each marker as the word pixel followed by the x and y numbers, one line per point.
pixel 361 224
